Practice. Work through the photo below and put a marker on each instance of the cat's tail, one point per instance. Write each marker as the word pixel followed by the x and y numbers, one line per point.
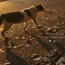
pixel 1 19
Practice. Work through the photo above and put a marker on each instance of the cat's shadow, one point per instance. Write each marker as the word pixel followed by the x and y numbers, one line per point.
pixel 41 42
pixel 13 58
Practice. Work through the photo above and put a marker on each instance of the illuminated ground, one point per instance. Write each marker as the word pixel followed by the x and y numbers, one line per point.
pixel 33 42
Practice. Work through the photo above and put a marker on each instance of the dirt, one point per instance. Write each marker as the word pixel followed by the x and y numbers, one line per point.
pixel 33 41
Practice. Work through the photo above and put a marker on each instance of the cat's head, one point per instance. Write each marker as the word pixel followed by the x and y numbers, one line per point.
pixel 40 7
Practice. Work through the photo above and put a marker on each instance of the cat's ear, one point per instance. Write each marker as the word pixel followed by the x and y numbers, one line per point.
pixel 40 4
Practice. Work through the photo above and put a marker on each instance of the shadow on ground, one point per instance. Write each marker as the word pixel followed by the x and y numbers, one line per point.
pixel 42 43
pixel 59 45
pixel 12 57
